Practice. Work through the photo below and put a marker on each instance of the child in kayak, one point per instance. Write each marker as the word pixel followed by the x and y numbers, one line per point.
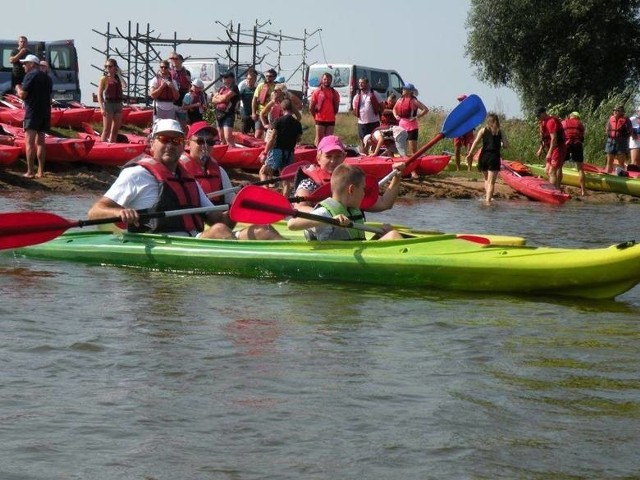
pixel 331 154
pixel 348 191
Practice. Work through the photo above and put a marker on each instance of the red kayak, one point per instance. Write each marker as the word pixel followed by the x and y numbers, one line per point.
pixel 73 117
pixel 123 137
pixel 379 167
pixel 15 116
pixel 241 157
pixel 303 152
pixel 520 178
pixel 113 154
pixel 60 150
pixel 9 154
pixel 140 117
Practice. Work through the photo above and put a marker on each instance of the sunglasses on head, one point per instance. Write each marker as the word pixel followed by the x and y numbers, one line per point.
pixel 173 140
pixel 203 140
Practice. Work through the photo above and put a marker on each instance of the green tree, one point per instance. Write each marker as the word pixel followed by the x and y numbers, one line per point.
pixel 553 52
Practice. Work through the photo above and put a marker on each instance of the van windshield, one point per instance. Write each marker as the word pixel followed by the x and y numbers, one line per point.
pixel 341 75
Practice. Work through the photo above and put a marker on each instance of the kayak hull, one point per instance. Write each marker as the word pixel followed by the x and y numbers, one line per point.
pixel 439 261
pixel 9 154
pixel 596 181
pixel 531 186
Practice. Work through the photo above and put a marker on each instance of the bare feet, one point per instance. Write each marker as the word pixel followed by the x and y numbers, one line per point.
pixel 28 175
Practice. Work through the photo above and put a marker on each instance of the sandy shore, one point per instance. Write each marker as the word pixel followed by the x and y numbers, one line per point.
pixel 86 178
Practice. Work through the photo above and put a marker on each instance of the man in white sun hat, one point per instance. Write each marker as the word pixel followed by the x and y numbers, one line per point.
pixel 35 90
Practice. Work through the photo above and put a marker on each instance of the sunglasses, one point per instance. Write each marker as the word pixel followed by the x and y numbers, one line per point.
pixel 163 67
pixel 203 141
pixel 173 140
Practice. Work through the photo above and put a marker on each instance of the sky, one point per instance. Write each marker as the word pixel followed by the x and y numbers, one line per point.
pixel 423 40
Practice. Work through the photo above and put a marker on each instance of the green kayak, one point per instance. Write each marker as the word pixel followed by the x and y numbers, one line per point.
pixel 446 261
pixel 603 182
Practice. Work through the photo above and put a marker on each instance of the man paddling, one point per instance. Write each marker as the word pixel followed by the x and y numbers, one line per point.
pixel 161 183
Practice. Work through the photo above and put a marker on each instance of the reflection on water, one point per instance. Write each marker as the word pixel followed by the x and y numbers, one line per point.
pixel 118 373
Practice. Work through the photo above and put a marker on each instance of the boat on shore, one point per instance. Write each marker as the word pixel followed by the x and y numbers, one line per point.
pixel 604 182
pixel 519 177
pixel 439 261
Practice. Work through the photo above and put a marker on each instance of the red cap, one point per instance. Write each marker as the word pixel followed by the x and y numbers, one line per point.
pixel 199 126
pixel 461 97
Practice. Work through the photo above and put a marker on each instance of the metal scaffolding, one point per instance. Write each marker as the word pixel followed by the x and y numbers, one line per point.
pixel 138 52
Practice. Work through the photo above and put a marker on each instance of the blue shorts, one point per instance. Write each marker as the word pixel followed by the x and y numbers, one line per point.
pixel 365 129
pixel 617 146
pixel 228 120
pixel 278 158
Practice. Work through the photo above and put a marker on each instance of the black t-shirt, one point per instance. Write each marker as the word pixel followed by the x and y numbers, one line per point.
pixel 17 70
pixel 38 86
pixel 287 128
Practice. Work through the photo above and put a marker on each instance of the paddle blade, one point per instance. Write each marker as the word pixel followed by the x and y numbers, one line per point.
pixel 255 204
pixel 30 228
pixel 467 115
pixel 371 192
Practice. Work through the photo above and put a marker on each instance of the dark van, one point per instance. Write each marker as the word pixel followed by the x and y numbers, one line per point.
pixel 63 66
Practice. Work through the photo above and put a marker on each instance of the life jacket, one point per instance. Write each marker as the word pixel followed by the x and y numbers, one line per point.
pixel 177 191
pixel 223 106
pixel 323 104
pixel 275 113
pixel 166 95
pixel 265 90
pixel 207 175
pixel 573 131
pixel 618 127
pixel 546 133
pixel 375 104
pixel 113 92
pixel 404 107
pixel 313 172
pixel 354 214
pixel 182 78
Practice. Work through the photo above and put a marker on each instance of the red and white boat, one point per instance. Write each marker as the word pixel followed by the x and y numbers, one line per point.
pixel 523 181
pixel 59 150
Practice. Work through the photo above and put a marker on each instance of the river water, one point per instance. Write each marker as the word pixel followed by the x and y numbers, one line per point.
pixel 113 373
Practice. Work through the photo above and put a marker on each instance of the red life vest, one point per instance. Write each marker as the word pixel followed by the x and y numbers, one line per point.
pixel 182 78
pixel 313 172
pixel 167 93
pixel 404 107
pixel 207 175
pixel 375 104
pixel 573 131
pixel 265 91
pixel 223 106
pixel 177 191
pixel 113 92
pixel 618 127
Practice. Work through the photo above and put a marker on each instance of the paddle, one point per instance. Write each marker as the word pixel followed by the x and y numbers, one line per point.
pixel 19 229
pixel 254 204
pixel 467 115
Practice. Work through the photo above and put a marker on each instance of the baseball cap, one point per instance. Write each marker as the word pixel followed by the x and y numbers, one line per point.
pixel 279 79
pixel 31 59
pixel 200 126
pixel 198 83
pixel 331 143
pixel 167 125
pixel 461 97
pixel 408 86
pixel 574 114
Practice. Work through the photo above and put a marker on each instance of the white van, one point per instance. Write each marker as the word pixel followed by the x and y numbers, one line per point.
pixel 209 72
pixel 345 81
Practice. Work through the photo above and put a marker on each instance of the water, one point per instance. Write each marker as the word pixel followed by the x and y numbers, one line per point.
pixel 113 373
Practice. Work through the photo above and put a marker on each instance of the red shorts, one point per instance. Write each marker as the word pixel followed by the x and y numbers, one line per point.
pixel 464 141
pixel 556 159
